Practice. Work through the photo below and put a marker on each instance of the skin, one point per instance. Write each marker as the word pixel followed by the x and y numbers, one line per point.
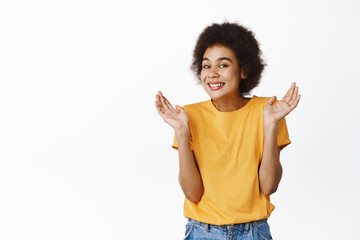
pixel 220 65
pixel 189 175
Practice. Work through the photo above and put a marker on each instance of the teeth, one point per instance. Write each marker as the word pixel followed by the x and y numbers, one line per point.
pixel 216 85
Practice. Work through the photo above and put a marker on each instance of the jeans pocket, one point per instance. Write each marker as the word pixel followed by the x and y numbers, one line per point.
pixel 188 229
pixel 263 230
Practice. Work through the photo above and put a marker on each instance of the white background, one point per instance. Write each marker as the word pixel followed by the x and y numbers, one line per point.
pixel 84 154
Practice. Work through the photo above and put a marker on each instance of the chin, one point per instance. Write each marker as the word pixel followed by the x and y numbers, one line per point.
pixel 215 96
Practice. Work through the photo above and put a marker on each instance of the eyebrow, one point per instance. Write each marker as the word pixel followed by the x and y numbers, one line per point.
pixel 219 59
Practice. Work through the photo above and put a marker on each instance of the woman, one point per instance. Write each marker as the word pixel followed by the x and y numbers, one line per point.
pixel 229 146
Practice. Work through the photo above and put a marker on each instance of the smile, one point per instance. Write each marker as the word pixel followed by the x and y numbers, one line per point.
pixel 215 86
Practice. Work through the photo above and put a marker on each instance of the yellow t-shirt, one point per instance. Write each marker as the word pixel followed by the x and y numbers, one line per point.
pixel 228 148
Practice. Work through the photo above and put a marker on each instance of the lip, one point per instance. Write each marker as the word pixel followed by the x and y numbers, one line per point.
pixel 215 82
pixel 215 88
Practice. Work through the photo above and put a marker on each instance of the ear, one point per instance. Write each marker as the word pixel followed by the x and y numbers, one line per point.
pixel 243 74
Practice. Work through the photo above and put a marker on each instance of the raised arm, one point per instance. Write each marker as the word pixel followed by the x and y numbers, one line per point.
pixel 189 175
pixel 270 171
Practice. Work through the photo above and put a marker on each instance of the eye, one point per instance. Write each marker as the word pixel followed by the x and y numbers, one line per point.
pixel 223 65
pixel 206 66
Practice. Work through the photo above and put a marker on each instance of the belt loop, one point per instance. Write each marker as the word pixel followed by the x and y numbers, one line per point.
pixel 246 227
pixel 207 227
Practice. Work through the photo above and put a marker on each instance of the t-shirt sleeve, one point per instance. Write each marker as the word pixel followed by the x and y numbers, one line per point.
pixel 175 145
pixel 283 135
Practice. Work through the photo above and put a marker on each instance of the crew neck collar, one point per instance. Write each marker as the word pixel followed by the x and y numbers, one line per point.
pixel 216 111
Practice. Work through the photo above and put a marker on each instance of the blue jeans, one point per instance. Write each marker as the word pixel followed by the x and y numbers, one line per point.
pixel 256 230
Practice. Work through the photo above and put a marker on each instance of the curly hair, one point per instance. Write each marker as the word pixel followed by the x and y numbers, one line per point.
pixel 244 45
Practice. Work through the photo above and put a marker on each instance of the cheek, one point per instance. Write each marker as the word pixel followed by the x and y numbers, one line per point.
pixel 234 76
pixel 204 85
pixel 202 78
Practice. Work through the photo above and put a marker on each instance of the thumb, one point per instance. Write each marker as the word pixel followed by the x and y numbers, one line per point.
pixel 179 108
pixel 272 100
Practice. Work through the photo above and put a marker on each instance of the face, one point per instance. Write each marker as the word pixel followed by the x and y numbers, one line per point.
pixel 220 74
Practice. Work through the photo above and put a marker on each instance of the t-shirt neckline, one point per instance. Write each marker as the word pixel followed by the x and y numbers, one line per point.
pixel 217 112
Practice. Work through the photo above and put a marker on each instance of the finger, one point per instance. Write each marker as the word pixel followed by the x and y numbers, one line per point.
pixel 297 100
pixel 170 108
pixel 159 105
pixel 159 108
pixel 293 100
pixel 288 94
pixel 162 98
pixel 169 105
pixel 292 107
pixel 272 100
pixel 179 108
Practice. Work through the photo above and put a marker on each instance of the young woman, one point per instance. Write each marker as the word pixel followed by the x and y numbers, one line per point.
pixel 229 146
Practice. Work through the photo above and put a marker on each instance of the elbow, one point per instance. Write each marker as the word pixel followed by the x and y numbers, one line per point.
pixel 195 197
pixel 269 182
pixel 269 190
pixel 193 191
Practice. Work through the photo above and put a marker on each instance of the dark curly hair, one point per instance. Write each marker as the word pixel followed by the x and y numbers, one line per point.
pixel 244 45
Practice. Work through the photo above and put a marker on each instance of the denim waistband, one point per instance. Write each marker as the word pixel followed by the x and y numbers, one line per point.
pixel 227 226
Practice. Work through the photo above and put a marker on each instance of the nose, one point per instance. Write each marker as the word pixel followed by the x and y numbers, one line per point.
pixel 213 74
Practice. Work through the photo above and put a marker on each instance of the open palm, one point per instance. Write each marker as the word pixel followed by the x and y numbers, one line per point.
pixel 283 107
pixel 176 118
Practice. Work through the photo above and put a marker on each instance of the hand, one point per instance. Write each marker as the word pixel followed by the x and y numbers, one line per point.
pixel 274 113
pixel 176 118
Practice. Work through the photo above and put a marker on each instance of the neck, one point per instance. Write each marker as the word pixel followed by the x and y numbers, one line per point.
pixel 230 104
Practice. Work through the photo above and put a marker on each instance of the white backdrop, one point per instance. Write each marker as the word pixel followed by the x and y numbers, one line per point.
pixel 84 155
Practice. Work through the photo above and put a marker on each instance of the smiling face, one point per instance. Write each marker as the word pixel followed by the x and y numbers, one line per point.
pixel 220 74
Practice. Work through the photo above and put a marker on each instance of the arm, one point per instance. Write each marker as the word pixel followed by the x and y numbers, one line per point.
pixel 189 175
pixel 270 170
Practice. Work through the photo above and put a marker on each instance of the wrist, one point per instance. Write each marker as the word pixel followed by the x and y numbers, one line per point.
pixel 182 132
pixel 270 127
pixel 270 122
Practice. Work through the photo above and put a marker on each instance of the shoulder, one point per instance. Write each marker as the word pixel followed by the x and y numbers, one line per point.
pixel 196 106
pixel 260 101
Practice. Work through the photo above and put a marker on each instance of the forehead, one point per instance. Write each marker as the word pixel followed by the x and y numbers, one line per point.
pixel 218 51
